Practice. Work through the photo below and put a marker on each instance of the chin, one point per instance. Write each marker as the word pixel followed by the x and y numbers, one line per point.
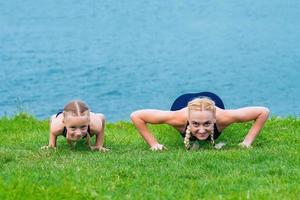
pixel 202 137
pixel 75 139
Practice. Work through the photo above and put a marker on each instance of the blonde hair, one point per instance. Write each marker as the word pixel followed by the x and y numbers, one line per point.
pixel 199 104
pixel 187 137
pixel 76 108
pixel 202 104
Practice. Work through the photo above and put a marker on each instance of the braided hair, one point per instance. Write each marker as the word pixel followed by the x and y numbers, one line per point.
pixel 187 138
pixel 199 104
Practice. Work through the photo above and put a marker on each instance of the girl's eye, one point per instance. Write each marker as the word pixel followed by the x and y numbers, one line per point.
pixel 195 124
pixel 207 124
pixel 73 129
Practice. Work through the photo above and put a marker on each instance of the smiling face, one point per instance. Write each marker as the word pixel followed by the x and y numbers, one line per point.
pixel 76 118
pixel 201 123
pixel 77 126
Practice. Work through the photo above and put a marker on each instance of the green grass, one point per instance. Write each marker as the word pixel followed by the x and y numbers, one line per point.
pixel 271 170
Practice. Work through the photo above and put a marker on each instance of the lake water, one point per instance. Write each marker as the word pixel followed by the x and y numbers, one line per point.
pixel 120 56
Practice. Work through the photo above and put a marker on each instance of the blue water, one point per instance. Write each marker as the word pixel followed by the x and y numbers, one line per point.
pixel 120 56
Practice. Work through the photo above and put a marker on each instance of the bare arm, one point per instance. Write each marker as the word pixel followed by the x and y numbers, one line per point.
pixel 99 130
pixel 100 133
pixel 52 140
pixel 55 127
pixel 141 118
pixel 258 114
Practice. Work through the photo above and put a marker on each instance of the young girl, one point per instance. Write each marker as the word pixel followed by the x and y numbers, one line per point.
pixel 76 122
pixel 199 116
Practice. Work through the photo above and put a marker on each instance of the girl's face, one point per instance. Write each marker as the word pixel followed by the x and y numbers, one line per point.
pixel 201 123
pixel 77 126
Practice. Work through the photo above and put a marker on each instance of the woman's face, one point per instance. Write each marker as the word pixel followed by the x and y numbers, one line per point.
pixel 201 123
pixel 77 126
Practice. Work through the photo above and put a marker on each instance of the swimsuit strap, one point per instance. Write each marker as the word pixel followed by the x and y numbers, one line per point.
pixel 59 112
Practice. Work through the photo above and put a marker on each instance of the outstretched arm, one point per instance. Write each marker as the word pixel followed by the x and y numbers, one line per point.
pixel 141 118
pixel 53 133
pixel 52 140
pixel 258 114
pixel 100 134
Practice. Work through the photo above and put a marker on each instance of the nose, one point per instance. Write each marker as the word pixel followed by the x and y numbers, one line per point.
pixel 201 130
pixel 78 134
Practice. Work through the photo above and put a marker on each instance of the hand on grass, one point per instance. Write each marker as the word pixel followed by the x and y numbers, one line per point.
pixel 101 149
pixel 220 145
pixel 158 147
pixel 245 145
pixel 48 147
pixel 194 146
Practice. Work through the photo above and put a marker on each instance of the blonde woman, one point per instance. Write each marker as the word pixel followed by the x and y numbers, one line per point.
pixel 76 122
pixel 199 116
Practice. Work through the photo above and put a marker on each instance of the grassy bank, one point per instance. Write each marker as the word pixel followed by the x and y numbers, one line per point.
pixel 271 170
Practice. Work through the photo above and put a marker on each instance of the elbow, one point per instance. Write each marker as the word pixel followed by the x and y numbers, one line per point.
pixel 265 112
pixel 134 116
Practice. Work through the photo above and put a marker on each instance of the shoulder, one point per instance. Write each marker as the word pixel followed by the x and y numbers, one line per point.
pixel 180 117
pixel 244 114
pixel 56 124
pixel 97 121
pixel 97 116
pixel 156 116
